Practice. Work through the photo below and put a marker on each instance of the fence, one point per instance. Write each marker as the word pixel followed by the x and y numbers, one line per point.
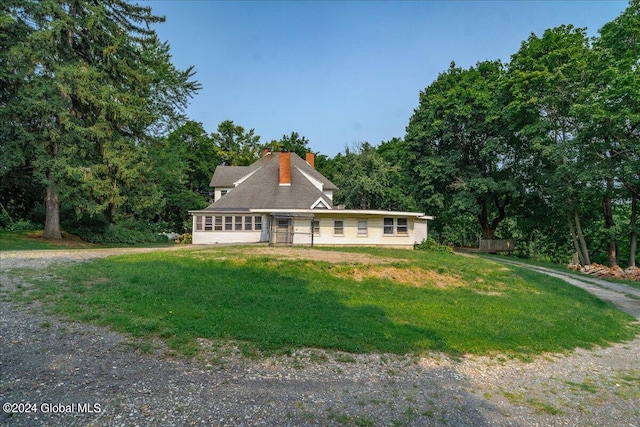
pixel 503 245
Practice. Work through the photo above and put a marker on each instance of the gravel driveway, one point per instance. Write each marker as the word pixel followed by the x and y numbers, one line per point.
pixel 59 373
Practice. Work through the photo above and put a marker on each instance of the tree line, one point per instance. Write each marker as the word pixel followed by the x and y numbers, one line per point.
pixel 544 148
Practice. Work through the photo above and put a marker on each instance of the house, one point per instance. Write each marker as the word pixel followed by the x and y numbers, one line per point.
pixel 283 199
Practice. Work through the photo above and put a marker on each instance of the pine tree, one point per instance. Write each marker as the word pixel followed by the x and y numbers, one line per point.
pixel 93 82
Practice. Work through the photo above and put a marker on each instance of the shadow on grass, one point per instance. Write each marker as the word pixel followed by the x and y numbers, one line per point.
pixel 269 310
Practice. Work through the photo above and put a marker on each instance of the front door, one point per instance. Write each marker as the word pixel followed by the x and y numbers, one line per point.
pixel 283 231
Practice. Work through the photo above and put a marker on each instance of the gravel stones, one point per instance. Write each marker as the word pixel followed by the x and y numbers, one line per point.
pixel 47 361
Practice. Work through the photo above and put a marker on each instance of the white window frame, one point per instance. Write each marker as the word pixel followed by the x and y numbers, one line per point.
pixel 404 227
pixel 363 231
pixel 394 225
pixel 336 227
pixel 228 223
pixel 208 223
pixel 386 231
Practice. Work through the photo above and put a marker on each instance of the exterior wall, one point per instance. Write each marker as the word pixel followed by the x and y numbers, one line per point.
pixel 302 231
pixel 214 237
pixel 420 230
pixel 218 193
pixel 374 236
pixel 301 227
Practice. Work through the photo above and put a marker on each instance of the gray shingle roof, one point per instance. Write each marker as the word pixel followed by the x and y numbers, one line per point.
pixel 262 190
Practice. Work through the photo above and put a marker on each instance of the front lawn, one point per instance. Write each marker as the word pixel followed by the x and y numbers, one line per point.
pixel 395 301
pixel 32 240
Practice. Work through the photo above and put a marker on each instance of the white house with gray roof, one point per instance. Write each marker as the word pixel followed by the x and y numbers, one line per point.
pixel 283 199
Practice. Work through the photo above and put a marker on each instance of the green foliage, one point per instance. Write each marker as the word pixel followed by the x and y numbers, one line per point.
pixel 234 145
pixel 293 143
pixel 22 225
pixel 366 180
pixel 458 148
pixel 430 245
pixel 97 229
pixel 270 304
pixel 79 106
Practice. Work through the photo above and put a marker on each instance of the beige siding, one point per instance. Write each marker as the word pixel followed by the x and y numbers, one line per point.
pixel 374 236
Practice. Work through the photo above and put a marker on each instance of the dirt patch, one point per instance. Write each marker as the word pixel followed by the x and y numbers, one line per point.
pixel 412 276
pixel 332 257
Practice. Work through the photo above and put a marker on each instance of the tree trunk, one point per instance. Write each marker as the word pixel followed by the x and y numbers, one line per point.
pixel 483 219
pixel 110 213
pixel 574 238
pixel 52 219
pixel 612 247
pixel 580 234
pixel 633 241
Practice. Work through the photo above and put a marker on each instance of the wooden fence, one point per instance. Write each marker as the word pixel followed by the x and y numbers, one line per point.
pixel 502 245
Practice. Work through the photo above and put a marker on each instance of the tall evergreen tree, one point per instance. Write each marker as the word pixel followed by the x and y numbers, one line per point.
pixel 94 82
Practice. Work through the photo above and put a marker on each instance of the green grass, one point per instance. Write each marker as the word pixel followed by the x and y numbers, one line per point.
pixel 267 304
pixel 32 240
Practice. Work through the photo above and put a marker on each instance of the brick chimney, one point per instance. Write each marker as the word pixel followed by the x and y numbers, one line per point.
pixel 266 151
pixel 311 159
pixel 285 168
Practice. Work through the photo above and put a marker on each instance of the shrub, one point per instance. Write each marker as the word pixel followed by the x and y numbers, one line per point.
pixel 96 229
pixel 429 244
pixel 21 225
pixel 184 239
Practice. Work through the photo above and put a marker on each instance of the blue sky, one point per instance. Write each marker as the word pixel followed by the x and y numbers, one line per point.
pixel 344 72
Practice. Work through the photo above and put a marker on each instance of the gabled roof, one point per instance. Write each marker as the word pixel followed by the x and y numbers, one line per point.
pixel 257 186
pixel 226 176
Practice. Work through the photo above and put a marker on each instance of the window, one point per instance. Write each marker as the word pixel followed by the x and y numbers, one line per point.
pixel 402 226
pixel 316 227
pixel 228 223
pixel 208 223
pixel 338 228
pixel 362 228
pixel 388 226
pixel 223 192
pixel 396 226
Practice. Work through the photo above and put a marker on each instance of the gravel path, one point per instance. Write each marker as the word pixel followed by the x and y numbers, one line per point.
pixel 626 298
pixel 59 373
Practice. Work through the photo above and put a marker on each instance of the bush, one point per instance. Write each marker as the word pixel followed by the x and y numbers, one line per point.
pixel 21 225
pixel 96 229
pixel 184 239
pixel 429 244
